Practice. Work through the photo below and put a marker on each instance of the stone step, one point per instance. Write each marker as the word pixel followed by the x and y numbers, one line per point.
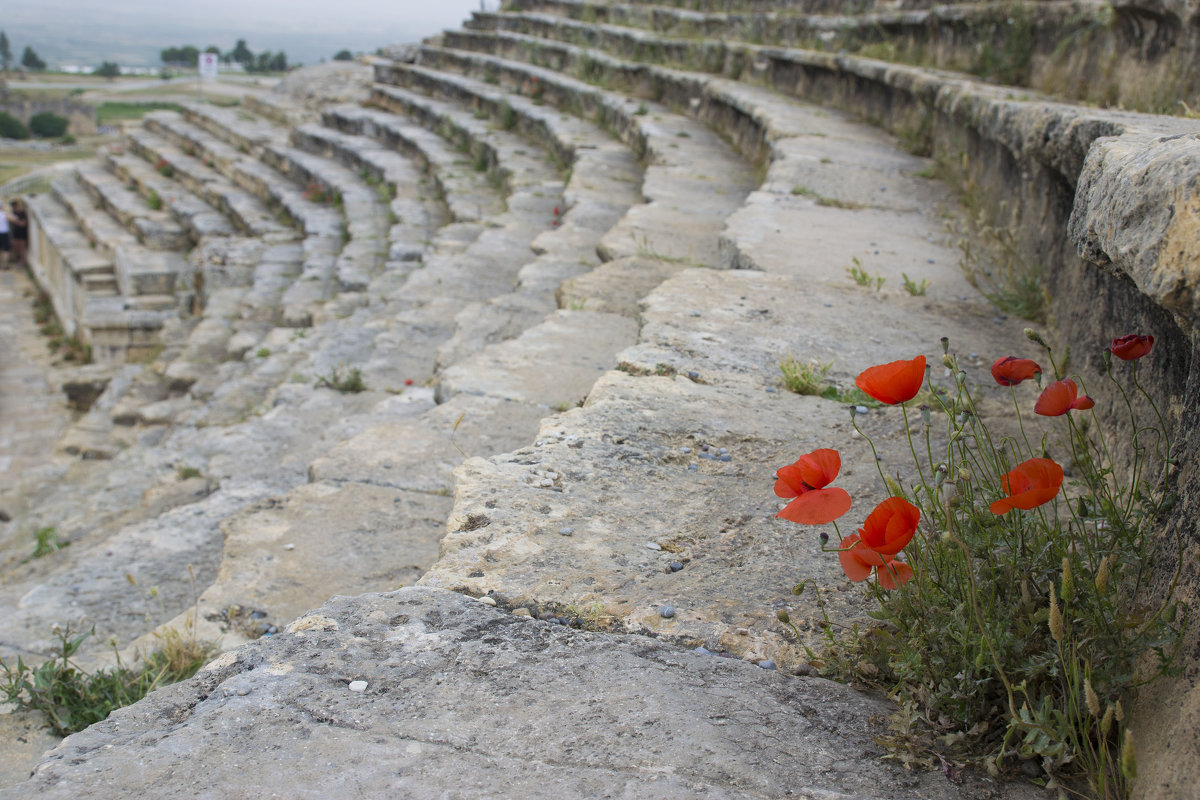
pixel 246 212
pixel 245 132
pixel 396 180
pixel 192 213
pixel 680 223
pixel 466 192
pixel 154 228
pixel 101 230
pixel 460 671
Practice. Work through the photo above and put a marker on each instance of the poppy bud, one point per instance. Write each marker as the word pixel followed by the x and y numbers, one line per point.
pixel 945 344
pixel 1128 759
pixel 782 616
pixel 925 414
pixel 824 537
pixel 1035 337
pixel 947 362
pixel 1056 621
pixel 1068 581
pixel 964 474
pixel 1091 698
pixel 939 474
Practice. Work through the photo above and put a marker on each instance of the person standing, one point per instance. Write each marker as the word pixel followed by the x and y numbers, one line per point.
pixel 18 222
pixel 4 243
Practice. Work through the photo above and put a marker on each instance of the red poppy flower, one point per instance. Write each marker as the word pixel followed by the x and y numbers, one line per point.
pixel 1010 370
pixel 890 526
pixel 1029 485
pixel 894 382
pixel 1060 397
pixel 1133 346
pixel 806 480
pixel 858 560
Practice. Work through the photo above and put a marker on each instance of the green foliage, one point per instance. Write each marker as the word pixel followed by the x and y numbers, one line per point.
pixel 343 55
pixel 11 127
pixel 804 377
pixel 154 201
pixel 993 262
pixel 108 69
pixel 862 277
pixel 349 383
pixel 508 117
pixel 47 542
pixel 5 52
pixel 70 699
pixel 188 472
pixel 186 56
pixel 45 125
pixel 114 111
pixel 914 288
pixel 30 60
pixel 1026 627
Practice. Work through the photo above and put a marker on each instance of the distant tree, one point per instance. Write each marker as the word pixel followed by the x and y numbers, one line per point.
pixel 108 69
pixel 241 54
pixel 170 55
pixel 343 55
pixel 47 126
pixel 212 48
pixel 30 60
pixel 278 62
pixel 189 56
pixel 11 127
pixel 5 51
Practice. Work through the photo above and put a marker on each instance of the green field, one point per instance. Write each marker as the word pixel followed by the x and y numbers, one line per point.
pixel 116 111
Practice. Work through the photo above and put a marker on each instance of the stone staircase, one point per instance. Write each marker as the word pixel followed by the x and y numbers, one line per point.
pixel 565 249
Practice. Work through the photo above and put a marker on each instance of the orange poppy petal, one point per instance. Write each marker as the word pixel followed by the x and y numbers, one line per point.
pixel 857 560
pixel 1083 403
pixel 817 507
pixel 789 483
pixel 894 575
pixel 894 382
pixel 1054 400
pixel 890 527
pixel 1030 484
pixel 1001 507
pixel 820 467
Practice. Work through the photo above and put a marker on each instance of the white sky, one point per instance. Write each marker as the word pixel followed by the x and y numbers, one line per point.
pixel 58 28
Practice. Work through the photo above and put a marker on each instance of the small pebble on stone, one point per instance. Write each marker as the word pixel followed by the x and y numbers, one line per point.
pixel 770 390
pixel 724 458
pixel 861 409
pixel 654 545
pixel 358 686
pixel 676 566
pixel 701 651
pixel 567 531
pixel 487 600
pixel 693 375
pixel 708 456
pixel 931 261
pixel 242 692
pixel 693 467
pixel 767 663
pixel 666 612
pixel 289 547
pixel 521 612
pixel 685 449
pixel 724 451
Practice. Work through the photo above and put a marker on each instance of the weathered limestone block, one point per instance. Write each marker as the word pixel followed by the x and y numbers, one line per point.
pixel 423 693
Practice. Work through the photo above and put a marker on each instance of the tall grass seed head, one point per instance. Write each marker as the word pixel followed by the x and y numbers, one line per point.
pixel 1128 757
pixel 1055 621
pixel 1035 337
pixel 1068 580
pixel 1102 574
pixel 1091 698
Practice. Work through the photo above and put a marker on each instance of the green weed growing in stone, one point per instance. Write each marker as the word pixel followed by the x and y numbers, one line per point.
pixel 863 278
pixel 350 382
pixel 1017 614
pixel 46 541
pixel 153 201
pixel 70 699
pixel 912 287
pixel 804 377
